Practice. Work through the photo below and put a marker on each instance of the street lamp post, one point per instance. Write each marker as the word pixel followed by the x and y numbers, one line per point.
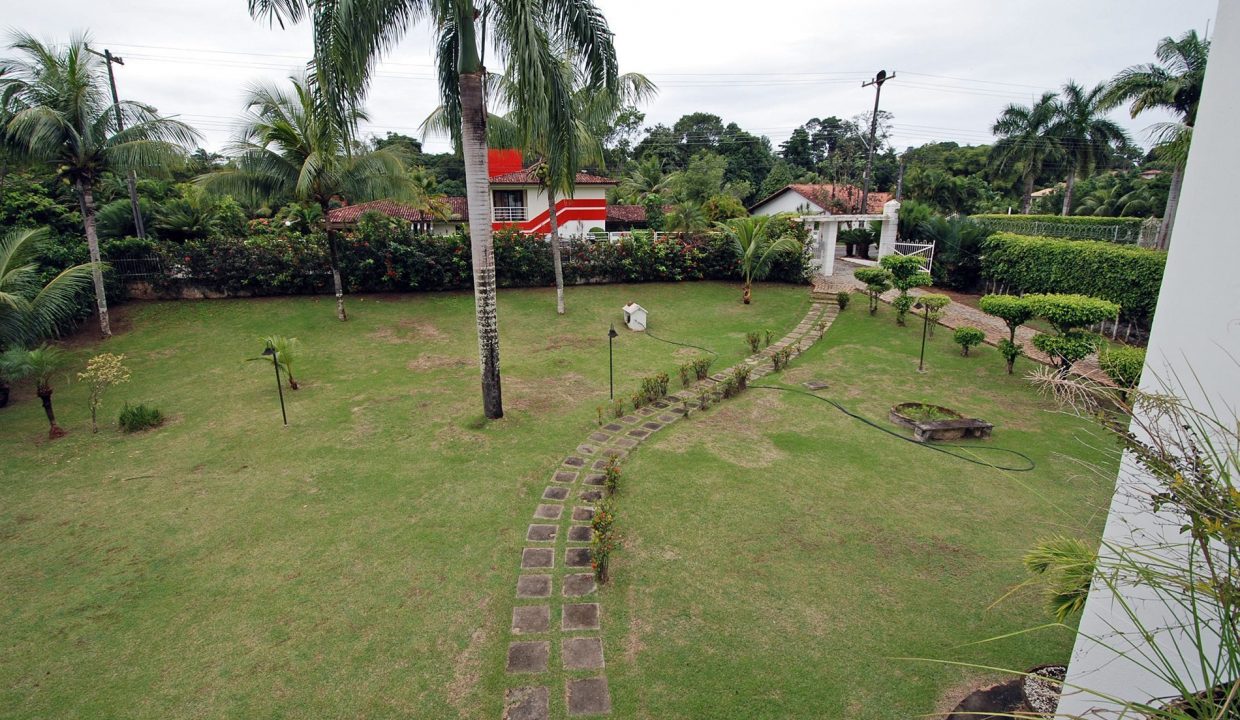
pixel 925 325
pixel 611 365
pixel 275 362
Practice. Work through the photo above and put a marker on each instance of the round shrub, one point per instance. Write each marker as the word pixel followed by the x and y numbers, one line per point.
pixel 842 298
pixel 966 337
pixel 1123 365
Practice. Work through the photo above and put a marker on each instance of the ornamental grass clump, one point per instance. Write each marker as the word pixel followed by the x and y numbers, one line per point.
pixel 701 367
pixel 755 341
pixel 653 388
pixel 780 358
pixel 135 418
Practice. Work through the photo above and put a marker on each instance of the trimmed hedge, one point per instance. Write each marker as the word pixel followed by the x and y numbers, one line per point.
pixel 1129 276
pixel 382 255
pixel 1123 230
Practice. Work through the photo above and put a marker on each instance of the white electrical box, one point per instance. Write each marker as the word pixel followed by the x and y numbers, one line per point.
pixel 635 317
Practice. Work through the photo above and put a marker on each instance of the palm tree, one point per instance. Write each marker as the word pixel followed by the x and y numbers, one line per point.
pixel 351 34
pixel 646 180
pixel 754 246
pixel 42 364
pixel 1087 138
pixel 687 217
pixel 291 148
pixel 1026 142
pixel 1173 84
pixel 67 121
pixel 31 311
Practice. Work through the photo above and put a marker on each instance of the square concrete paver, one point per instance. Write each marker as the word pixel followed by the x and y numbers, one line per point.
pixel 588 696
pixel 555 493
pixel 595 479
pixel 564 476
pixel 652 426
pixel 531 619
pixel 549 512
pixel 601 437
pixel 626 443
pixel 580 616
pixel 667 418
pixel 574 461
pixel 583 514
pixel 538 557
pixel 534 586
pixel 592 495
pixel 540 533
pixel 583 653
pixel 639 433
pixel 527 703
pixel 587 449
pixel 579 584
pixel 577 557
pixel 613 427
pixel 630 419
pixel 528 656
pixel 579 533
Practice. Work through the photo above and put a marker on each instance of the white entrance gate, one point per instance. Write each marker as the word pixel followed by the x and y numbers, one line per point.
pixel 925 251
pixel 825 228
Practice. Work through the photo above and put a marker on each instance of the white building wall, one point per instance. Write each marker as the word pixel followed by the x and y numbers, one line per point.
pixel 786 201
pixel 1194 351
pixel 536 204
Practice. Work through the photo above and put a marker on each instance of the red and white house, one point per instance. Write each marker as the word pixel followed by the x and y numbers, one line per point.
pixel 518 201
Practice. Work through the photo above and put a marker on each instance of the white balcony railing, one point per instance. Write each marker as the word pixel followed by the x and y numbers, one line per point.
pixel 509 214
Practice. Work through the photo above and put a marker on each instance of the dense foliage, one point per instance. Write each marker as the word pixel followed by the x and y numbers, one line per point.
pixel 1128 276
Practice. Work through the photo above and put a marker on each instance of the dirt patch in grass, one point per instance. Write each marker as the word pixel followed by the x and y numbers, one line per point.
pixel 466 667
pixel 427 361
pixel 546 394
pixel 559 342
pixel 633 644
pixel 408 331
pixel 738 434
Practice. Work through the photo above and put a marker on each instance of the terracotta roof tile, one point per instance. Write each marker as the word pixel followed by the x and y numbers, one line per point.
pixel 527 177
pixel 352 213
pixel 841 198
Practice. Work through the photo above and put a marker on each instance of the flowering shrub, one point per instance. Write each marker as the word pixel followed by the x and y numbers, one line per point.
pixel 611 475
pixel 102 372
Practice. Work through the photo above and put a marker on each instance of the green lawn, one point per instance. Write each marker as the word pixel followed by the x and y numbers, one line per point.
pixel 361 562
pixel 356 564
pixel 779 555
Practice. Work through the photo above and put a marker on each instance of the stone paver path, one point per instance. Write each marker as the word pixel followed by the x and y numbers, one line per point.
pixel 954 315
pixel 557 623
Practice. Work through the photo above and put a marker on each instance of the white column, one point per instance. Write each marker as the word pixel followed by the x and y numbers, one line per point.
pixel 830 232
pixel 887 236
pixel 1192 353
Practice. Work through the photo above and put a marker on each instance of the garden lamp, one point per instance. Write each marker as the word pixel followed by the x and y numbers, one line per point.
pixel 611 366
pixel 270 352
pixel 925 324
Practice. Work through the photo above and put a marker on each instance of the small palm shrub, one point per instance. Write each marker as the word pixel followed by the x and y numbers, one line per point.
pixel 135 418
pixel 966 337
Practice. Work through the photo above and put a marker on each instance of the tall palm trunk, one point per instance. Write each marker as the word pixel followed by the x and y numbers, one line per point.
pixel 1069 184
pixel 1163 240
pixel 477 189
pixel 1026 200
pixel 45 394
pixel 92 243
pixel 334 257
pixel 555 251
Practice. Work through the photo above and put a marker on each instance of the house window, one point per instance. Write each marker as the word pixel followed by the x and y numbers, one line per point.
pixel 509 205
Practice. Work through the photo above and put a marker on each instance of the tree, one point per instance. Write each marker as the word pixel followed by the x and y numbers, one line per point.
pixel 966 337
pixel 646 180
pixel 755 248
pixel 1027 142
pixel 877 281
pixel 67 121
pixel 351 34
pixel 933 306
pixel 1087 138
pixel 1014 311
pixel 290 147
pixel 1069 315
pixel 1173 84
pixel 102 372
pixel 42 364
pixel 907 272
pixel 30 310
pixel 687 217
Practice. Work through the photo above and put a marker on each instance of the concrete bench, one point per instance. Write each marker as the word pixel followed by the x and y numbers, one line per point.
pixel 951 429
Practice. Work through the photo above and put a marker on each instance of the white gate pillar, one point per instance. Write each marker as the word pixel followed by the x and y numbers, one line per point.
pixel 887 236
pixel 829 234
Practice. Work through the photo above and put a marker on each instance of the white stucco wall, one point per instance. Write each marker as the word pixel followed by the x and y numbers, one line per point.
pixel 786 201
pixel 1194 351
pixel 536 204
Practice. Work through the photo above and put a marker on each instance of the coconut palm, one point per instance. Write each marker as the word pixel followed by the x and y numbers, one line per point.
pixel 1173 84
pixel 1026 142
pixel 42 364
pixel 350 35
pixel 1087 138
pixel 67 120
pixel 286 353
pixel 687 217
pixel 30 310
pixel 754 246
pixel 646 180
pixel 291 148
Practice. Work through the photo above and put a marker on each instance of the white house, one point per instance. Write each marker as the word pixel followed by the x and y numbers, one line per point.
pixel 819 199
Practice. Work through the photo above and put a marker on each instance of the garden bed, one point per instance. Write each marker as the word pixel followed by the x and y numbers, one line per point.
pixel 935 422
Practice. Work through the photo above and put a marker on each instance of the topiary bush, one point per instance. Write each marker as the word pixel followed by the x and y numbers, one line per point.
pixel 135 418
pixel 842 298
pixel 1123 365
pixel 877 281
pixel 1013 311
pixel 933 306
pixel 1070 314
pixel 967 337
pixel 906 272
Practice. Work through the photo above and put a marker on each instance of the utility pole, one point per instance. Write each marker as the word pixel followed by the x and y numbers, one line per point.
pixel 132 179
pixel 877 82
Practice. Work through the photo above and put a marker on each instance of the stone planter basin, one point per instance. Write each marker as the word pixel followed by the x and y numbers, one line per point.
pixel 937 423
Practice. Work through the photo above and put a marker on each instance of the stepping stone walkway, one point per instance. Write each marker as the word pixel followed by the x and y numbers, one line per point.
pixel 558 619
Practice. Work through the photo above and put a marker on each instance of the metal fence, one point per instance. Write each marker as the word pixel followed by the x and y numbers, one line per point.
pixel 1124 234
pixel 925 251
pixel 137 268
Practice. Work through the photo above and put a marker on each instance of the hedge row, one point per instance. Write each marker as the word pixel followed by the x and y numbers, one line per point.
pixel 1125 230
pixel 1129 276
pixel 382 255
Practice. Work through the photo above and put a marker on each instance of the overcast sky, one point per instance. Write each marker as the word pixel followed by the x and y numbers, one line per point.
pixel 767 66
